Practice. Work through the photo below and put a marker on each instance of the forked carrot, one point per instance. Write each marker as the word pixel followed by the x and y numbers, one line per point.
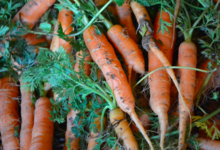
pixel 122 129
pixel 9 114
pixel 103 54
pixel 31 12
pixel 125 19
pixel 42 133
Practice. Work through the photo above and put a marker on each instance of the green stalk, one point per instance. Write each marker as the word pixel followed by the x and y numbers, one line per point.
pixel 92 20
pixel 203 87
pixel 173 67
pixel 106 22
pixel 41 90
pixel 102 116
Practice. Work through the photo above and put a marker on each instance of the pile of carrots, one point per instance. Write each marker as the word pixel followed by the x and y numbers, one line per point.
pixel 110 75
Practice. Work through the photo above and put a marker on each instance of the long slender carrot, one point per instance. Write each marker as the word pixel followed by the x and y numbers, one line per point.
pixel 145 120
pixel 103 54
pixel 123 130
pixel 69 136
pixel 27 117
pixel 9 115
pixel 65 17
pixel 31 12
pixel 42 133
pixel 125 19
pixel 187 57
pixel 159 81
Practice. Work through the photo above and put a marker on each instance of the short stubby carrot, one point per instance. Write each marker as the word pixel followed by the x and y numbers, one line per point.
pixel 125 19
pixel 31 12
pixel 42 133
pixel 122 129
pixel 9 114
pixel 27 118
pixel 103 54
pixel 127 48
pixel 69 136
pixel 159 81
pixel 188 58
pixel 65 17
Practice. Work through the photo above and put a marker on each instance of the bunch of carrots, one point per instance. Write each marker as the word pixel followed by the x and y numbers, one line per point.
pixel 109 74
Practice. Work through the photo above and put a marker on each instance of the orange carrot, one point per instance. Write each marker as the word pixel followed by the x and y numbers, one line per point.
pixel 94 135
pixel 42 133
pixel 208 144
pixel 103 54
pixel 128 48
pixel 65 18
pixel 201 76
pixel 9 115
pixel 100 2
pixel 86 67
pixel 188 58
pixel 125 19
pixel 159 81
pixel 31 12
pixel 122 129
pixel 145 120
pixel 27 117
pixel 69 136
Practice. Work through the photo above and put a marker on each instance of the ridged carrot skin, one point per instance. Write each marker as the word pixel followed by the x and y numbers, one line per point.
pixel 127 47
pixel 208 144
pixel 9 114
pixel 42 133
pixel 32 11
pixel 122 129
pixel 188 58
pixel 125 19
pixel 103 54
pixel 159 81
pixel 65 17
pixel 27 118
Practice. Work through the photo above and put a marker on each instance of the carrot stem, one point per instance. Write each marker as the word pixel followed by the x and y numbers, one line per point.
pixel 102 116
pixel 173 67
pixel 107 23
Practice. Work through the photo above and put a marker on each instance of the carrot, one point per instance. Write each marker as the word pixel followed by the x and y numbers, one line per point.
pixel 128 48
pixel 208 144
pixel 145 120
pixel 125 19
pixel 123 130
pixel 31 12
pixel 9 115
pixel 214 82
pixel 72 114
pixel 27 117
pixel 65 18
pixel 187 57
pixel 42 133
pixel 149 44
pixel 201 76
pixel 69 136
pixel 100 2
pixel 33 39
pixel 94 135
pixel 159 81
pixel 86 67
pixel 103 54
